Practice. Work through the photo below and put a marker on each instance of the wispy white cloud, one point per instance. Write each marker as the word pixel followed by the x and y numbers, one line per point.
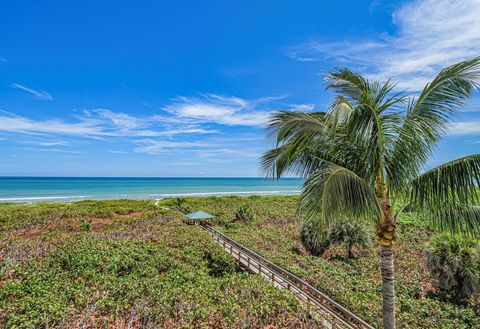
pixel 221 110
pixel 118 123
pixel 19 124
pixel 302 107
pixel 465 128
pixel 186 130
pixel 122 121
pixel 154 147
pixel 53 150
pixel 187 123
pixel 107 125
pixel 431 34
pixel 225 110
pixel 38 94
pixel 97 123
pixel 47 143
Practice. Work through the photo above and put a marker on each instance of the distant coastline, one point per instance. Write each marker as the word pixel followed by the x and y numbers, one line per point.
pixel 37 189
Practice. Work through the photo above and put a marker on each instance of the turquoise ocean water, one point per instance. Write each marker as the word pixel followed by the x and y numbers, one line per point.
pixel 33 189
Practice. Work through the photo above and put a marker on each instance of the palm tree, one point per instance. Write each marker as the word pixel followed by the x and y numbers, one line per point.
pixel 365 158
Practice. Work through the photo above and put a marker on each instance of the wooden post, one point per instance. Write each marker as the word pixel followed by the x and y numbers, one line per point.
pixel 273 277
pixel 248 262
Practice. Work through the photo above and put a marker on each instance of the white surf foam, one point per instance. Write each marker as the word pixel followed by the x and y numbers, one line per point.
pixel 172 195
pixel 46 198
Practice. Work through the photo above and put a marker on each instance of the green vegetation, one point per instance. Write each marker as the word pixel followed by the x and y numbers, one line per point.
pixel 314 237
pixel 455 262
pixel 140 264
pixel 317 239
pixel 368 153
pixel 136 263
pixel 349 233
pixel 355 283
pixel 244 213
pixel 86 224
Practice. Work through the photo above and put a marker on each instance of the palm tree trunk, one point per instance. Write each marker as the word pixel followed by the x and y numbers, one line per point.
pixel 388 286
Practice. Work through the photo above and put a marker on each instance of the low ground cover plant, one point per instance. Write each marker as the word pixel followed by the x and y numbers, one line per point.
pixel 137 264
pixel 140 264
pixel 355 283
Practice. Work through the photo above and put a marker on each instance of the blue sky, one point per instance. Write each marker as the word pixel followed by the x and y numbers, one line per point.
pixel 184 88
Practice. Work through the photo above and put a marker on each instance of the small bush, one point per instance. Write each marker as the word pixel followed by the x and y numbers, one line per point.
pixel 350 233
pixel 245 213
pixel 314 237
pixel 455 262
pixel 318 239
pixel 86 225
pixel 220 263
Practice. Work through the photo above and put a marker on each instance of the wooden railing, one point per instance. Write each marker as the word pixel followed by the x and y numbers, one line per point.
pixel 333 314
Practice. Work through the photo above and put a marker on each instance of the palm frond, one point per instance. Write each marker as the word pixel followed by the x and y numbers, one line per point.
pixel 448 195
pixel 349 84
pixel 293 133
pixel 368 112
pixel 292 158
pixel 303 144
pixel 302 156
pixel 338 113
pixel 450 89
pixel 457 181
pixel 333 192
pixel 454 218
pixel 427 118
pixel 285 125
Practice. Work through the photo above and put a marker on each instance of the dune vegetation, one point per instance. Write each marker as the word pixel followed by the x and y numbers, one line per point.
pixel 130 262
pixel 126 263
pixel 274 232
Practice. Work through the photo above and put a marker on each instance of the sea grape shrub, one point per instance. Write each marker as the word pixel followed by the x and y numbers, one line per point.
pixel 314 237
pixel 245 213
pixel 222 220
pixel 454 261
pixel 220 263
pixel 349 233
pixel 181 204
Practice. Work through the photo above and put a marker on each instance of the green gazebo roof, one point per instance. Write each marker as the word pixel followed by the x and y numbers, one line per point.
pixel 200 215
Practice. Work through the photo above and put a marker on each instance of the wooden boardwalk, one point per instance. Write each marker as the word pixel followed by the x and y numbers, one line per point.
pixel 332 315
